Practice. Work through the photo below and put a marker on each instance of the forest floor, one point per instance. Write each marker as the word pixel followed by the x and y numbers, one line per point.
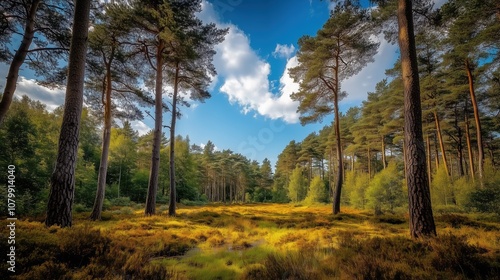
pixel 255 241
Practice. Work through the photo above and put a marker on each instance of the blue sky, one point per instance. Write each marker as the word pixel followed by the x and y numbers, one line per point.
pixel 250 111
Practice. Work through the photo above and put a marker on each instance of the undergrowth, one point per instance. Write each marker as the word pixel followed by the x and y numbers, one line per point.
pixel 255 242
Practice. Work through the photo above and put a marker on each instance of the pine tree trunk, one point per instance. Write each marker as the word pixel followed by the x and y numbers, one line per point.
pixel 480 150
pixel 340 171
pixel 441 143
pixel 420 210
pixel 436 150
pixel 62 181
pixel 469 148
pixel 429 160
pixel 155 157
pixel 18 60
pixel 106 138
pixel 171 206
pixel 384 162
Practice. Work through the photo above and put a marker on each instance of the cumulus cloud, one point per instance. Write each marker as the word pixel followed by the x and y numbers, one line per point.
pixel 244 76
pixel 50 97
pixel 140 127
pixel 283 51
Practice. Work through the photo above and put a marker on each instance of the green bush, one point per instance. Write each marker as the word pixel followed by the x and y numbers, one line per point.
pixel 317 192
pixel 485 200
pixel 442 191
pixel 386 189
pixel 121 201
pixel 356 185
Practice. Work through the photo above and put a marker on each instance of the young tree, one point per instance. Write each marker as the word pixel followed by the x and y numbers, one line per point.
pixel 317 192
pixel 340 49
pixel 62 183
pixel 112 72
pixel 297 188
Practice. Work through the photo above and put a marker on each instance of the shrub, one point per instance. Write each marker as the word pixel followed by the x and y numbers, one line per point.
pixel 485 200
pixel 358 196
pixel 386 189
pixel 317 192
pixel 121 201
pixel 441 188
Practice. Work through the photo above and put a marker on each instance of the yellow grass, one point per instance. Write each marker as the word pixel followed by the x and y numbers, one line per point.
pixel 217 241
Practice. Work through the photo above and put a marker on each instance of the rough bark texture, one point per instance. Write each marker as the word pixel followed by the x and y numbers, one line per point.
pixel 480 151
pixel 340 170
pixel 18 60
pixel 171 206
pixel 155 158
pixel 62 182
pixel 106 138
pixel 420 210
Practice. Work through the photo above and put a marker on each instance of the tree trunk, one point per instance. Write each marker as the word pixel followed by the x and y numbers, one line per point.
pixel 429 160
pixel 478 122
pixel 369 158
pixel 340 171
pixel 106 138
pixel 155 157
pixel 171 206
pixel 469 148
pixel 18 60
pixel 62 181
pixel 420 210
pixel 384 161
pixel 441 143
pixel 436 150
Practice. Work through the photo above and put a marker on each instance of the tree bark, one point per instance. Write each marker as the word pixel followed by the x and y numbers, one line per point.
pixel 155 157
pixel 171 206
pixel 18 60
pixel 106 138
pixel 429 160
pixel 62 181
pixel 441 143
pixel 480 150
pixel 340 171
pixel 469 148
pixel 420 210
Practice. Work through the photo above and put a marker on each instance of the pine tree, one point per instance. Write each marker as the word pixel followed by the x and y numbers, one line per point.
pixel 62 183
pixel 340 49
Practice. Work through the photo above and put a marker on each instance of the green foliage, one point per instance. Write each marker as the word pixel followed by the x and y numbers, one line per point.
pixel 463 188
pixel 386 189
pixel 442 189
pixel 487 199
pixel 317 191
pixel 297 188
pixel 356 184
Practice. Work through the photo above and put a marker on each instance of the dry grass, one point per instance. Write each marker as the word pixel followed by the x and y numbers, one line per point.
pixel 261 241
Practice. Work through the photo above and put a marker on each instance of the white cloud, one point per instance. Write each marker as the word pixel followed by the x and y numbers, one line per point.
pixel 202 145
pixel 284 51
pixel 50 97
pixel 245 76
pixel 140 127
pixel 358 86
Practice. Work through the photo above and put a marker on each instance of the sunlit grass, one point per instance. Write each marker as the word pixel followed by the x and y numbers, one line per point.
pixel 246 241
